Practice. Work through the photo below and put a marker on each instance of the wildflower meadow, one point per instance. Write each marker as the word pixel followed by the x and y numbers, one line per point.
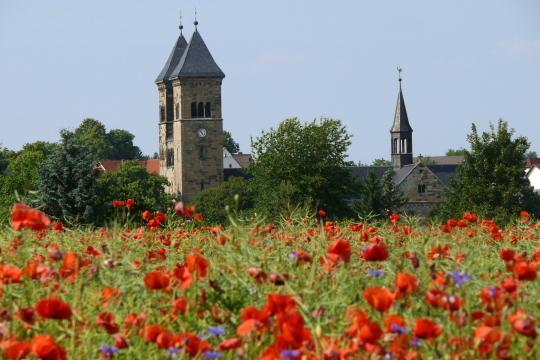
pixel 303 288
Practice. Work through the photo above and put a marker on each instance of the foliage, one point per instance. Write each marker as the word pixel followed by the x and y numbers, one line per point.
pixel 5 157
pixel 236 193
pixel 378 197
pixel 228 142
pixel 67 181
pixel 531 154
pixel 303 163
pixel 355 290
pixel 382 162
pixel 113 145
pixel 456 152
pixel 492 180
pixel 132 181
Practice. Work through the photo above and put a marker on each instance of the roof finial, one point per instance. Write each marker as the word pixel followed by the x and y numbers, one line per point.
pixel 181 27
pixel 399 70
pixel 196 22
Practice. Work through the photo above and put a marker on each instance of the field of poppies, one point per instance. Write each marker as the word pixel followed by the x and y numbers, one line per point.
pixel 306 288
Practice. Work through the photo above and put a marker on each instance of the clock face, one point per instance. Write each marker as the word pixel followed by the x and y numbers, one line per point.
pixel 201 132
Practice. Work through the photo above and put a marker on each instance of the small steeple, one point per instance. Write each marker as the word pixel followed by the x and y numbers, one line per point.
pixel 196 22
pixel 175 56
pixel 401 132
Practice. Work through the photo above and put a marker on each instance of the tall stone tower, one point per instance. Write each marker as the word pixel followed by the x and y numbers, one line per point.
pixel 401 134
pixel 190 121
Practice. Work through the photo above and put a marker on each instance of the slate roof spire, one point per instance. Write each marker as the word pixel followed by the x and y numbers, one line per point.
pixel 174 57
pixel 401 120
pixel 197 62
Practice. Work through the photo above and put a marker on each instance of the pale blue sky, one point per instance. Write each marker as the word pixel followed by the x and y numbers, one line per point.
pixel 464 61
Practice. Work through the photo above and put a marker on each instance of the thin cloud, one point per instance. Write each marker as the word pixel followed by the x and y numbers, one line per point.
pixel 521 47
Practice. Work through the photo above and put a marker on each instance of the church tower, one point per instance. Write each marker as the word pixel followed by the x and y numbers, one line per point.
pixel 190 121
pixel 401 133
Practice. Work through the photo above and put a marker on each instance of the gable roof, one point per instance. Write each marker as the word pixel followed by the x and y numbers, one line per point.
pixel 173 60
pixel 444 172
pixel 152 165
pixel 440 160
pixel 197 61
pixel 532 162
pixel 401 120
pixel 243 159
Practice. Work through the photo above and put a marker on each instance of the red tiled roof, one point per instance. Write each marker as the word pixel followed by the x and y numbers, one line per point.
pixel 243 159
pixel 533 162
pixel 152 165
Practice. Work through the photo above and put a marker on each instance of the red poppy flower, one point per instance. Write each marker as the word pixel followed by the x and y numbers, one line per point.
pixel 23 216
pixel 53 308
pixel 525 271
pixel 394 218
pixel 70 264
pixel 156 280
pixel 44 347
pixel 107 321
pixel 182 273
pixel 120 341
pixel 130 203
pixel 376 252
pixel 340 250
pixel 406 283
pixel 197 263
pixel 118 204
pixel 427 329
pixel 380 298
pixel 370 332
pixel 180 305
pixel 230 344
pixel 15 350
pixel 322 213
pixel 147 215
pixel 393 322
pixel 151 332
pixel 10 274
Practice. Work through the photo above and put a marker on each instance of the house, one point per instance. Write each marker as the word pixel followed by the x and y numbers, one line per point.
pixel 152 165
pixel 533 173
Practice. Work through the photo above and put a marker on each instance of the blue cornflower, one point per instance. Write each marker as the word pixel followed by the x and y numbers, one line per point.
pixel 213 355
pixel 173 352
pixel 290 354
pixel 216 330
pixel 460 278
pixel 376 273
pixel 416 342
pixel 109 351
pixel 492 291
pixel 293 255
pixel 399 329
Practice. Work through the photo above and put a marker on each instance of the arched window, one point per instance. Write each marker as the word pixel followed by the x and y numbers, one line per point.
pixel 162 113
pixel 395 146
pixel 170 157
pixel 177 110
pixel 193 109
pixel 200 110
pixel 207 111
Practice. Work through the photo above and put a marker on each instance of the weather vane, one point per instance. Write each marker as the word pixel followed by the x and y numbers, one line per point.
pixel 196 22
pixel 181 27
pixel 399 70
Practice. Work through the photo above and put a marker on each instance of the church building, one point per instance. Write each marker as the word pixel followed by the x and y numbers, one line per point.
pixel 190 120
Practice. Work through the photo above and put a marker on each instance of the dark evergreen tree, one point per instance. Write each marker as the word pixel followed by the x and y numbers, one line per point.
pixel 378 197
pixel 67 182
pixel 122 147
pixel 492 180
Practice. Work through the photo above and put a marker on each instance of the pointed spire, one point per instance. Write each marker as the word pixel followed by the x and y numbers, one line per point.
pixel 196 22
pixel 180 26
pixel 401 120
pixel 197 61
pixel 174 58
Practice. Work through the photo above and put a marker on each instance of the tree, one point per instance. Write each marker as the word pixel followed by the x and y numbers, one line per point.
pixel 305 161
pixel 381 162
pixel 6 156
pixel 116 144
pixel 228 142
pixel 92 135
pixel 492 181
pixel 378 197
pixel 122 147
pixel 67 182
pixel 456 152
pixel 132 181
pixel 236 193
pixel 531 154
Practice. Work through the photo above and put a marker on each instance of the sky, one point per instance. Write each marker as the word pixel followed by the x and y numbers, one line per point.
pixel 463 62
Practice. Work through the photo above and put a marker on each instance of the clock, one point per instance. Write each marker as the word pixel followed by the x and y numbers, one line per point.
pixel 201 132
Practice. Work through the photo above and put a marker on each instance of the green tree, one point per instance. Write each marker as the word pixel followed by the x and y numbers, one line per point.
pixel 531 154
pixel 67 182
pixel 122 147
pixel 228 142
pixel 132 181
pixel 378 197
pixel 236 193
pixel 456 152
pixel 381 162
pixel 92 135
pixel 304 161
pixel 492 181
pixel 6 156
